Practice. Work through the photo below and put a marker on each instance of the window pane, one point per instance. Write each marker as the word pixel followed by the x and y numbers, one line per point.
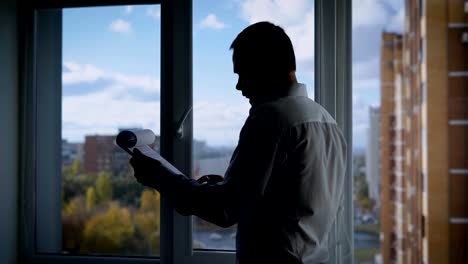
pixel 110 82
pixel 219 109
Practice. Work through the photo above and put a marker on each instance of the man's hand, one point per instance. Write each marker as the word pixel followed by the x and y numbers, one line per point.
pixel 210 179
pixel 147 170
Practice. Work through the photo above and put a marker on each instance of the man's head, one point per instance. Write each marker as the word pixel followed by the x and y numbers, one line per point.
pixel 263 57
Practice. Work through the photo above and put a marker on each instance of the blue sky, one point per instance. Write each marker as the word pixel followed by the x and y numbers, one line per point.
pixel 111 58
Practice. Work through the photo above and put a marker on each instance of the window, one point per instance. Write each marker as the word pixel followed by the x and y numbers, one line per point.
pixel 104 72
pixel 110 82
pixel 422 51
pixel 219 109
pixel 52 128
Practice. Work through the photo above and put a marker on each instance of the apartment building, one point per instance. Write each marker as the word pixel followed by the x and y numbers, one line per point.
pixel 99 152
pixel 390 69
pixel 424 154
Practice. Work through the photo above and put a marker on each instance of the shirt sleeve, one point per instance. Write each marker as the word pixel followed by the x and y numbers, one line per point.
pixel 245 181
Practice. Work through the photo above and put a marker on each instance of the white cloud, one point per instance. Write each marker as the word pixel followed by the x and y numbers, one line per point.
pixel 107 108
pixel 296 17
pixel 211 21
pixel 128 9
pixel 88 73
pixel 385 14
pixel 77 73
pixel 397 21
pixel 279 11
pixel 120 26
pixel 153 12
pixel 369 13
pixel 218 122
pixel 105 111
pixel 115 105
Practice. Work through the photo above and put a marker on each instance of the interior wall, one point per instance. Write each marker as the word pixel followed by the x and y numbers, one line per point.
pixel 8 132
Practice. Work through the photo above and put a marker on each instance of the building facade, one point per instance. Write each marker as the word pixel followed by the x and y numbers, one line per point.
pixel 390 62
pixel 99 153
pixel 424 137
pixel 102 154
pixel 372 156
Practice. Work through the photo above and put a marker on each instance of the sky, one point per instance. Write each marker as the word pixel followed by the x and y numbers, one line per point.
pixel 111 63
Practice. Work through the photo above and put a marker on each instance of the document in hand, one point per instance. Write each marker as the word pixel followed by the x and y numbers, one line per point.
pixel 141 139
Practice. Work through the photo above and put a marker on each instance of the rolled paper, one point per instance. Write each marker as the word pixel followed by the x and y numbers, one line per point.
pixel 141 139
pixel 128 139
pixel 144 137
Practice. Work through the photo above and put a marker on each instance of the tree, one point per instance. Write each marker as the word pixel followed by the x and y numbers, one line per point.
pixel 147 221
pixel 110 232
pixel 91 199
pixel 76 167
pixel 74 217
pixel 149 201
pixel 104 187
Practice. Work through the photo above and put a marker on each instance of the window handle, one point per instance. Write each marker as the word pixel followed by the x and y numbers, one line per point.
pixel 179 128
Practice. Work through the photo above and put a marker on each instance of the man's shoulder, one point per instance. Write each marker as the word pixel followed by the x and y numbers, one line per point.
pixel 294 110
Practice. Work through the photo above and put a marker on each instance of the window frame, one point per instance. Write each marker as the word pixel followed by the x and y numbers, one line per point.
pixel 40 122
pixel 333 90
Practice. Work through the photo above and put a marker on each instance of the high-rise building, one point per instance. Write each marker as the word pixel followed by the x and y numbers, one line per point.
pixel 424 135
pixel 390 68
pixel 372 156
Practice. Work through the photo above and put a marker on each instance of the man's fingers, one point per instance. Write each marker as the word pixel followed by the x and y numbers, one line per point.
pixel 211 179
pixel 215 178
pixel 137 152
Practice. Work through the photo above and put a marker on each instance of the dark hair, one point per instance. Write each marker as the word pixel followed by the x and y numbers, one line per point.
pixel 264 47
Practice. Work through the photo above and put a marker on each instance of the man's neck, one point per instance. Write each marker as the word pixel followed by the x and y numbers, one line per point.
pixel 276 90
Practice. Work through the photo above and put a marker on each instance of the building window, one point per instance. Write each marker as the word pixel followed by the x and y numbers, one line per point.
pixel 422 50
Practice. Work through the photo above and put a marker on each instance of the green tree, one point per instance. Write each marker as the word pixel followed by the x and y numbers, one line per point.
pixel 104 187
pixel 91 199
pixel 76 167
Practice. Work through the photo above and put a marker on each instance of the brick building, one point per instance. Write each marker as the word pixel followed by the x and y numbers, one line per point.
pixel 424 136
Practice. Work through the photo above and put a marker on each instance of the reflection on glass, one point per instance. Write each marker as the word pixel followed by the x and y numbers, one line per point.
pixel 110 82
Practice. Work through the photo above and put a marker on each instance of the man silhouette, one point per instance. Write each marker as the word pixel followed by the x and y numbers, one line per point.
pixel 285 178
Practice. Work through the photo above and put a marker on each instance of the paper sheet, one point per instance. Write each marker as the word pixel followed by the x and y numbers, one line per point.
pixel 146 150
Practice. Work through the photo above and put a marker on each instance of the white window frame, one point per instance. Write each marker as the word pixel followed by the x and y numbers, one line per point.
pixel 40 126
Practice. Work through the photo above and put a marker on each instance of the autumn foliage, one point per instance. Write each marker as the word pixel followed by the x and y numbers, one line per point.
pixel 96 219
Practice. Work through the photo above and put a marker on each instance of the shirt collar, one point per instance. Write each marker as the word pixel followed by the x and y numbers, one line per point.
pixel 296 89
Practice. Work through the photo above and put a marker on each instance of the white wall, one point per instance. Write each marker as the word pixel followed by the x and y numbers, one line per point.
pixel 8 132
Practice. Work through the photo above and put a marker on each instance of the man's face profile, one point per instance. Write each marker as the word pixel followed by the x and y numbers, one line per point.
pixel 244 81
pixel 250 82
